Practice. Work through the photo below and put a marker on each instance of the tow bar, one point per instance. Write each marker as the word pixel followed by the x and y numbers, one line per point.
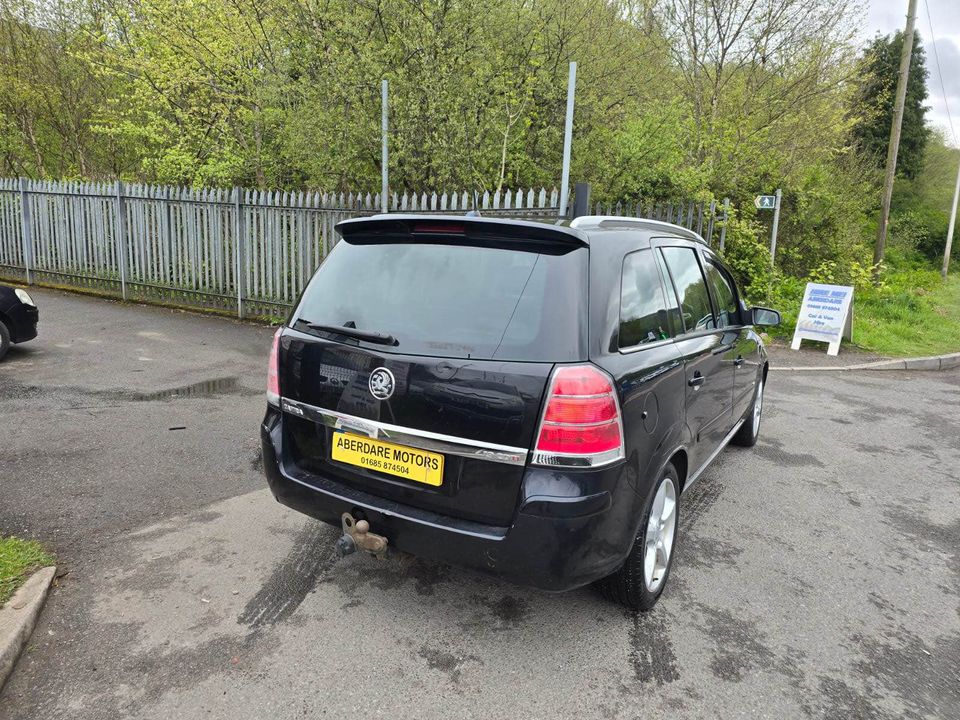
pixel 357 536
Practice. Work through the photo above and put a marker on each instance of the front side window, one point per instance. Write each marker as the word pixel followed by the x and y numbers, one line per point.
pixel 691 288
pixel 644 317
pixel 723 294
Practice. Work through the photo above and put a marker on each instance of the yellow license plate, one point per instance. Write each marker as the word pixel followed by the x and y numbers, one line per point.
pixel 405 462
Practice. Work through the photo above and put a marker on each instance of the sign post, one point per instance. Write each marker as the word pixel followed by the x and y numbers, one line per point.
pixel 384 153
pixel 567 140
pixel 771 202
pixel 826 314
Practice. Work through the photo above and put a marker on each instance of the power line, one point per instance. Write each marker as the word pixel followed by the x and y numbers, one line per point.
pixel 936 57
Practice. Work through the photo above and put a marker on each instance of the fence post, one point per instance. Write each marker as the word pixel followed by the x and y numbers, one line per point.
pixel 238 249
pixel 723 228
pixel 121 240
pixel 581 200
pixel 26 230
pixel 711 216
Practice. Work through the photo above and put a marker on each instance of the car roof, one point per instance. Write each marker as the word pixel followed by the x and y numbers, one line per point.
pixel 596 225
pixel 581 230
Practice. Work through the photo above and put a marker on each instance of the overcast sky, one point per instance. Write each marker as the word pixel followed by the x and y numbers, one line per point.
pixel 885 16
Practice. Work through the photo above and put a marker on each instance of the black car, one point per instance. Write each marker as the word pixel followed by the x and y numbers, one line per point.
pixel 524 399
pixel 18 317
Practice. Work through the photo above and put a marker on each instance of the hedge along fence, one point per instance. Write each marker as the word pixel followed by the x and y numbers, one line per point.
pixel 239 250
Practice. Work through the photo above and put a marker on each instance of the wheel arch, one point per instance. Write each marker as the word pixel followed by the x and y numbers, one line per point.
pixel 681 463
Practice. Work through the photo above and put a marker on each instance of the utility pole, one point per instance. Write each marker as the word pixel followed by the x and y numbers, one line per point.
pixel 894 145
pixel 953 222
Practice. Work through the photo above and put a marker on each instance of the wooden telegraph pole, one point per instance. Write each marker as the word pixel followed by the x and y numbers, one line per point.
pixel 894 145
pixel 953 224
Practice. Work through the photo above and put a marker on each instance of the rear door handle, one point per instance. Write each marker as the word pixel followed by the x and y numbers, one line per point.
pixel 738 362
pixel 696 381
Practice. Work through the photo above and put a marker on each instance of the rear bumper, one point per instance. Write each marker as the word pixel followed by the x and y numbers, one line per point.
pixel 23 320
pixel 554 543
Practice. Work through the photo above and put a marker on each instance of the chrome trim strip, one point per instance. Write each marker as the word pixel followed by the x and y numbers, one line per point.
pixel 422 439
pixel 726 440
pixel 594 460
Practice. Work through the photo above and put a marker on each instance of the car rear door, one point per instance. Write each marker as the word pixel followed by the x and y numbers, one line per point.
pixel 706 351
pixel 738 337
pixel 476 319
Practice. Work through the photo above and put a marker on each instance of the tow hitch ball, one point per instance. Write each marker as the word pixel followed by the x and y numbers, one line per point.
pixel 357 536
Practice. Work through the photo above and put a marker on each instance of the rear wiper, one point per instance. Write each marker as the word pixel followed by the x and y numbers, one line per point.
pixel 370 337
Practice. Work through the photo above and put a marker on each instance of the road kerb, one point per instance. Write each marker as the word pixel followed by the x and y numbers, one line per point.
pixel 948 362
pixel 935 362
pixel 19 616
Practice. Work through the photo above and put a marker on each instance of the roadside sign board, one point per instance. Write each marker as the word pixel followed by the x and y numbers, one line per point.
pixel 765 202
pixel 826 314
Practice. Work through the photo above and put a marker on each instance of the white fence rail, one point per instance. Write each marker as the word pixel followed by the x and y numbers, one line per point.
pixel 244 250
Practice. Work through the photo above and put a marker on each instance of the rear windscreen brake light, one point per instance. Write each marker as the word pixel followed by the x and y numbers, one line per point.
pixel 439 228
pixel 581 424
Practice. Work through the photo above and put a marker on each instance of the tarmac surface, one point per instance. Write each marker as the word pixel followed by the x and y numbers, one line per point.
pixel 817 575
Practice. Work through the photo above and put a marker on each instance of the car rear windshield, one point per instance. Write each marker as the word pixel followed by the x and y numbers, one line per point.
pixel 453 300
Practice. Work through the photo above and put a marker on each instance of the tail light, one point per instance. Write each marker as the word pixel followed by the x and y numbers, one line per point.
pixel 273 370
pixel 581 425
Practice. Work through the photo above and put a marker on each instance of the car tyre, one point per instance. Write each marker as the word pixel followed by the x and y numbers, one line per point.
pixel 4 339
pixel 750 430
pixel 642 578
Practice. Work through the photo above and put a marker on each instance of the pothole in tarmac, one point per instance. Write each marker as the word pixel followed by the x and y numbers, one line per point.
pixel 203 389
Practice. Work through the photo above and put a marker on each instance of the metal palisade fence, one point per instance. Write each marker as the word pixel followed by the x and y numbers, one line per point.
pixel 246 251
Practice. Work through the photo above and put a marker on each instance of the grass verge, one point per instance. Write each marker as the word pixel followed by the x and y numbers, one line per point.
pixel 19 558
pixel 914 313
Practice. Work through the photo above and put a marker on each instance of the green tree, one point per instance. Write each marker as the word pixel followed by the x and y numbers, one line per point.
pixel 875 99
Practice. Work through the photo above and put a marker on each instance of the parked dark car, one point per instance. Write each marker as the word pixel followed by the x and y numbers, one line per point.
pixel 524 399
pixel 18 317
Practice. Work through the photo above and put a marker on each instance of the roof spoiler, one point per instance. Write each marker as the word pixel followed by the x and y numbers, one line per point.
pixel 398 227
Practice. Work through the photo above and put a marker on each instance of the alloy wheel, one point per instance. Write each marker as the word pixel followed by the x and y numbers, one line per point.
pixel 661 529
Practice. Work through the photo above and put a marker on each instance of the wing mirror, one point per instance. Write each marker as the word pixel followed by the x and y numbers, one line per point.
pixel 765 317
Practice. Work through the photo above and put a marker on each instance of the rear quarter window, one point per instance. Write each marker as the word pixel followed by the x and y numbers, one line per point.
pixel 691 287
pixel 644 313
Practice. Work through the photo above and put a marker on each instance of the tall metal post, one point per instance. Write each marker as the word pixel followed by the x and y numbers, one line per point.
pixel 567 139
pixel 384 160
pixel 776 224
pixel 26 230
pixel 238 251
pixel 953 223
pixel 121 239
pixel 723 228
pixel 894 144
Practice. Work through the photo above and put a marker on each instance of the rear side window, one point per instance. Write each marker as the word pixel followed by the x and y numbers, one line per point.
pixel 644 317
pixel 452 300
pixel 691 288
pixel 723 294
